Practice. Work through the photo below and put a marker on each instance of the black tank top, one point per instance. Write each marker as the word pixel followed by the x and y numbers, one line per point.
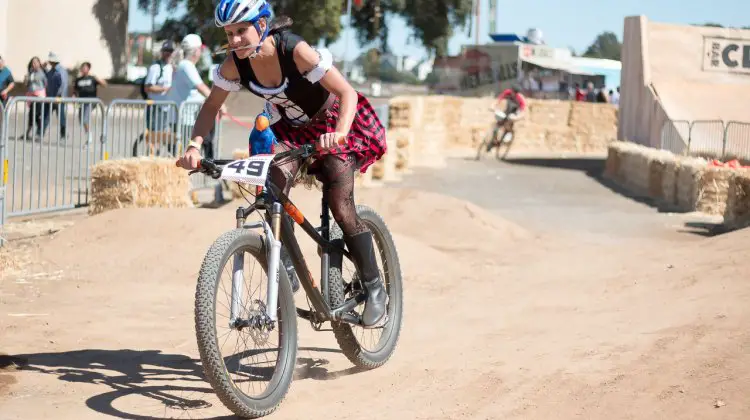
pixel 86 87
pixel 297 99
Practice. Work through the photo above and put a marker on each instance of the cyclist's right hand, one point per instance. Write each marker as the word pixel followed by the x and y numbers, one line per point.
pixel 190 159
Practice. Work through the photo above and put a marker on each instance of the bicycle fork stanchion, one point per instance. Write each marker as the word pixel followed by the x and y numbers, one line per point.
pixel 238 278
pixel 273 261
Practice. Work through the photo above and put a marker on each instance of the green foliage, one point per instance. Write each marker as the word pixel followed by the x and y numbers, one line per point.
pixel 606 45
pixel 433 21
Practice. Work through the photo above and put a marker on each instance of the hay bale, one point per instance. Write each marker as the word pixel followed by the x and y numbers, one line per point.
pixel 560 139
pixel 737 212
pixel 240 154
pixel 688 179
pixel 712 191
pixel 549 112
pixel 614 158
pixel 657 164
pixel 669 181
pixel 138 182
pixel 634 171
pixel 429 150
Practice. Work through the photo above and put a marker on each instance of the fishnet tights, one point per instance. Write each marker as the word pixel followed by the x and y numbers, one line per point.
pixel 338 177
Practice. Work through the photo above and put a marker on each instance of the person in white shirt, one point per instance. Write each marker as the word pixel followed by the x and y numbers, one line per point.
pixel 156 87
pixel 187 85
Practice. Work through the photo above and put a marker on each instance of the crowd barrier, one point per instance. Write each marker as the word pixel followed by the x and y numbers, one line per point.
pixel 708 138
pixel 48 145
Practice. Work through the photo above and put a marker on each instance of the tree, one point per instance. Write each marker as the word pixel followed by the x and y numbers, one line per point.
pixel 435 21
pixel 606 45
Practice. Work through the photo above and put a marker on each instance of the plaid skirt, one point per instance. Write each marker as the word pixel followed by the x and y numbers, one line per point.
pixel 366 139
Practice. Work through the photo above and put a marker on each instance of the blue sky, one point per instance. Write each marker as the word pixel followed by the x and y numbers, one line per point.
pixel 563 25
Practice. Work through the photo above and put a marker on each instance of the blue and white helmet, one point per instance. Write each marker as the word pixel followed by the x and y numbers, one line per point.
pixel 235 11
pixel 229 12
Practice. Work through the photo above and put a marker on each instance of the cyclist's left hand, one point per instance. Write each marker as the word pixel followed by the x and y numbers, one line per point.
pixel 331 140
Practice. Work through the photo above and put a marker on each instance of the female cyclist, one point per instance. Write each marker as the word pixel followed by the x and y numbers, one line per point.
pixel 310 102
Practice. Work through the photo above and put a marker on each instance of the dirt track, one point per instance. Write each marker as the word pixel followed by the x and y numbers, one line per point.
pixel 561 300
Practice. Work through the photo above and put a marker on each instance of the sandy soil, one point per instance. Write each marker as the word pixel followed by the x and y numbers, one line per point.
pixel 501 321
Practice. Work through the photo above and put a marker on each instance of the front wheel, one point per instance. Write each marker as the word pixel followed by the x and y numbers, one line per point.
pixel 361 351
pixel 230 375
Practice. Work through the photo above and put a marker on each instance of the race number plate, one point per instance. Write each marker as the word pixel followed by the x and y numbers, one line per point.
pixel 253 170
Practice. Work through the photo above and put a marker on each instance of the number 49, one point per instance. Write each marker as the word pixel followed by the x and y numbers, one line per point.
pixel 254 167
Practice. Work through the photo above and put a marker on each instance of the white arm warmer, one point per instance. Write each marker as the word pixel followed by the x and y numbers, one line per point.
pixel 222 83
pixel 320 70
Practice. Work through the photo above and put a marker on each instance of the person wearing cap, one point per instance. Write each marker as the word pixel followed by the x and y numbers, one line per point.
pixel 57 87
pixel 189 86
pixel 157 84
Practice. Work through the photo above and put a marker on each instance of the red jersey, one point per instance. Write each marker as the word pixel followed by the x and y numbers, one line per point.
pixel 517 98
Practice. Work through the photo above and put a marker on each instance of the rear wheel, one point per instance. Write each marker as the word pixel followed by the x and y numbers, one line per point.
pixel 366 348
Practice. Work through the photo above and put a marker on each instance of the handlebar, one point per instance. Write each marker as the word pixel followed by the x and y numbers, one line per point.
pixel 213 167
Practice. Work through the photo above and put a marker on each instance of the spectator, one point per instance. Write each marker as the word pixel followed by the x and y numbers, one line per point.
pixel 188 86
pixel 86 86
pixel 615 97
pixel 36 85
pixel 57 87
pixel 590 92
pixel 6 82
pixel 580 95
pixel 157 83
pixel 601 95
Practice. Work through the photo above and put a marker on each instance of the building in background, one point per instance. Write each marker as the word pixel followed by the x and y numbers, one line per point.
pixel 75 30
pixel 543 71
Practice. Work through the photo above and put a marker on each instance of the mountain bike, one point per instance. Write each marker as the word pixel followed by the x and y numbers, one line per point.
pixel 490 140
pixel 256 320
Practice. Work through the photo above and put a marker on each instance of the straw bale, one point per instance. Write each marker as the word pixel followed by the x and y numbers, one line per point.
pixel 737 213
pixel 669 181
pixel 429 149
pixel 612 164
pixel 240 154
pixel 476 111
pixel 138 182
pixel 560 139
pixel 657 164
pixel 584 114
pixel 433 115
pixel 549 112
pixel 399 112
pixel 635 169
pixel 712 191
pixel 618 170
pixel 688 178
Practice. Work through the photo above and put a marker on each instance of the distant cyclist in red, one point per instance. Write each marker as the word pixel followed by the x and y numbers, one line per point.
pixel 514 110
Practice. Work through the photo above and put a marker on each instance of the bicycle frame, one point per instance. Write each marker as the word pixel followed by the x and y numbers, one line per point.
pixel 281 228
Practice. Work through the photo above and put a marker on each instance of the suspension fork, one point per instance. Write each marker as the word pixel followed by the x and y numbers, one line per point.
pixel 273 245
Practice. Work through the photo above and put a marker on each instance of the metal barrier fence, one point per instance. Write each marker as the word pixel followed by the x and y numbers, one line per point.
pixel 706 137
pixel 737 140
pixel 48 145
pixel 46 161
pixel 140 128
pixel 675 135
pixel 710 138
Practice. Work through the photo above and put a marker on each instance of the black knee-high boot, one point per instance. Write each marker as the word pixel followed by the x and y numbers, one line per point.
pixel 363 254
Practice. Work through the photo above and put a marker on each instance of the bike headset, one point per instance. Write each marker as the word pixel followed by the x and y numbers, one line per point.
pixel 229 12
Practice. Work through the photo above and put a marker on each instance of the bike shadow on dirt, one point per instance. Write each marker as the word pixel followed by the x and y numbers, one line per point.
pixel 593 167
pixel 161 385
